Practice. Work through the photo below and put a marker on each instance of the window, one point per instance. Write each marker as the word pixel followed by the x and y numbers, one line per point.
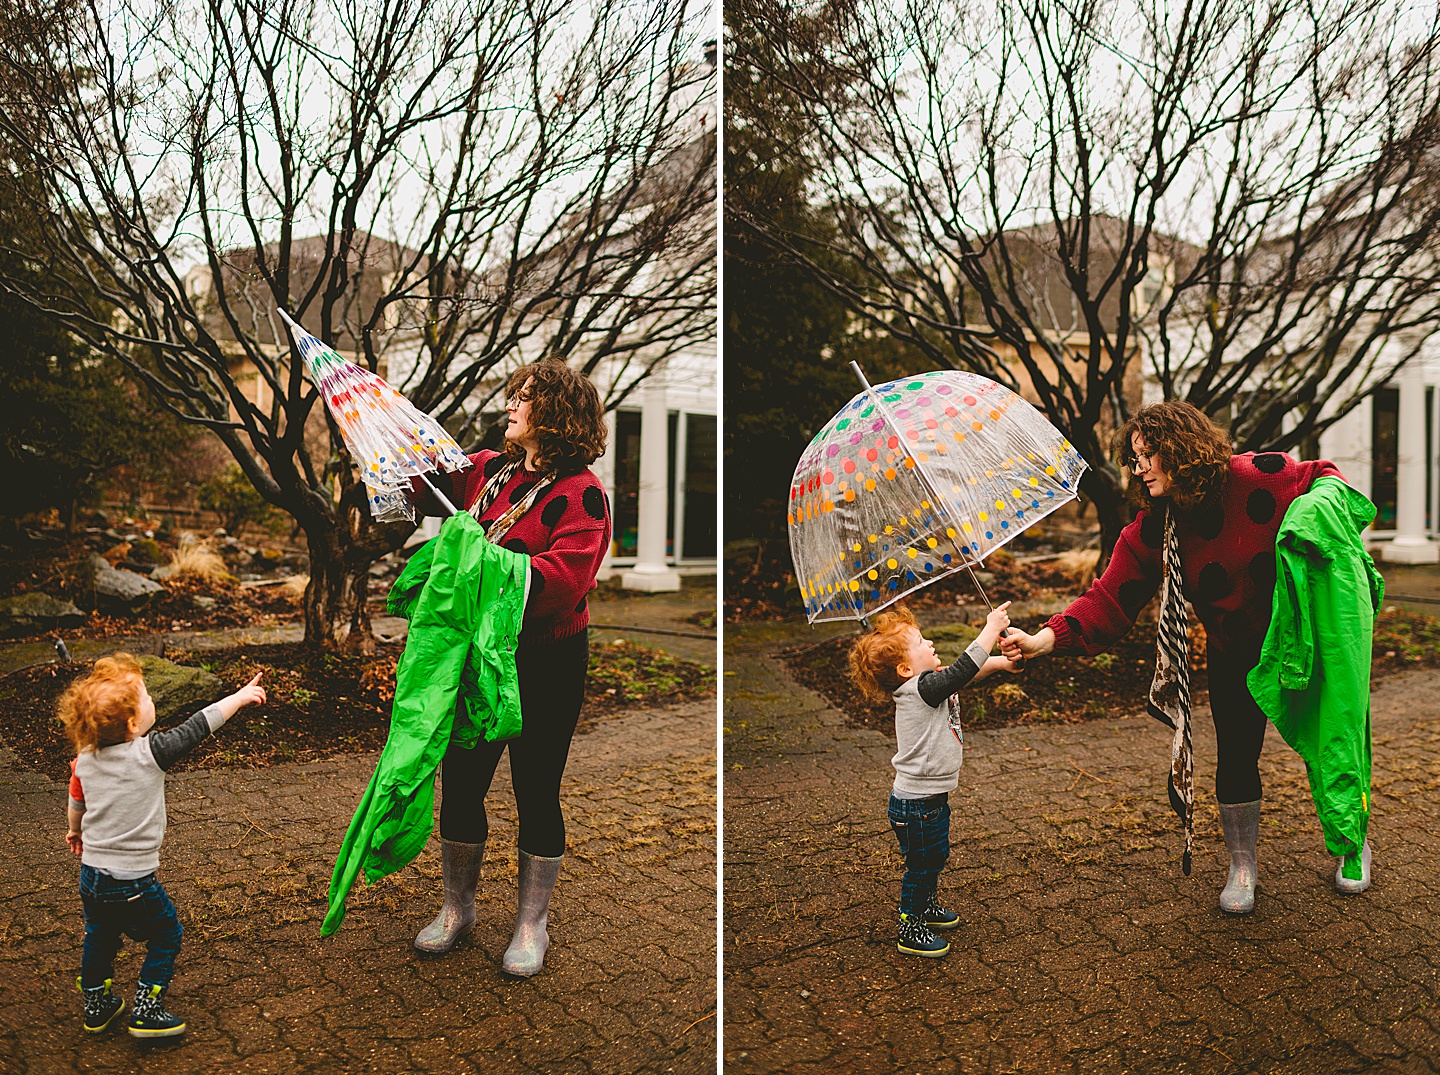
pixel 627 484
pixel 1384 454
pixel 701 489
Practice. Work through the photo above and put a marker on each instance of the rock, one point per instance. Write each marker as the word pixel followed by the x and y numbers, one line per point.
pixel 271 556
pixel 203 603
pixel 116 553
pixel 115 590
pixel 148 551
pixel 178 691
pixel 27 613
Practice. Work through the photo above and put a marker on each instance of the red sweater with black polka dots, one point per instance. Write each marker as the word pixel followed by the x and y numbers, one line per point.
pixel 565 533
pixel 1227 556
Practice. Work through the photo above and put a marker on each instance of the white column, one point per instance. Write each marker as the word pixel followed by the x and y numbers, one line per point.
pixel 650 572
pixel 1411 546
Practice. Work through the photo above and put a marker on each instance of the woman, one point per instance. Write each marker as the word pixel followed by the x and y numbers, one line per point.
pixel 1227 510
pixel 536 497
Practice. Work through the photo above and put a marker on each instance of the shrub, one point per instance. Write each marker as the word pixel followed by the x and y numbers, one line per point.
pixel 231 496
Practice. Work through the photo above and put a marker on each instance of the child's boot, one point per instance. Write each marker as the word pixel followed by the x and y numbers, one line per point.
pixel 149 1019
pixel 917 939
pixel 101 1006
pixel 937 917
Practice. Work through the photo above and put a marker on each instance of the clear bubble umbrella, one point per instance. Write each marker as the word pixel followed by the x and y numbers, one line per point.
pixel 915 480
pixel 388 437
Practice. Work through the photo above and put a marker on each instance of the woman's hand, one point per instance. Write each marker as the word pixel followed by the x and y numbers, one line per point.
pixel 1017 645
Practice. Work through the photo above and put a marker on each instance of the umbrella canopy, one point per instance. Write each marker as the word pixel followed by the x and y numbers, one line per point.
pixel 389 438
pixel 915 480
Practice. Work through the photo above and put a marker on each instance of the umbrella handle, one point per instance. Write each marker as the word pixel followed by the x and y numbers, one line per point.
pixel 444 500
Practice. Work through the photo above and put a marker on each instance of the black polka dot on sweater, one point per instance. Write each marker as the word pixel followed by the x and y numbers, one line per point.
pixel 537 582
pixel 593 500
pixel 493 465
pixel 516 545
pixel 1262 571
pixel 1152 529
pixel 1214 583
pixel 1209 521
pixel 1133 595
pixel 1260 506
pixel 554 508
pixel 518 493
pixel 1075 626
pixel 1270 463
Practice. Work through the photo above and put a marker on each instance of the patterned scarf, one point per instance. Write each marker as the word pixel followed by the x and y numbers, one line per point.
pixel 1170 689
pixel 501 526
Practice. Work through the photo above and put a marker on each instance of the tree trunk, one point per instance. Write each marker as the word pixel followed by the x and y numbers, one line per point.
pixel 1105 488
pixel 337 616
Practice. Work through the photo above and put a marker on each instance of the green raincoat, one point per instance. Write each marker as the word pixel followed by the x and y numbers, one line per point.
pixel 465 599
pixel 1313 679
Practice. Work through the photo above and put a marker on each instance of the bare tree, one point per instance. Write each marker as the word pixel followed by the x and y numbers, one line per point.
pixel 1055 193
pixel 440 187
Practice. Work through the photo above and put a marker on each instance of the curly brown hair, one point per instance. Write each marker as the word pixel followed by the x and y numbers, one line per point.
pixel 95 711
pixel 1193 450
pixel 566 416
pixel 877 654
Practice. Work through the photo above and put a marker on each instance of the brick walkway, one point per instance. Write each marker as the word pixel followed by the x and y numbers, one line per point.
pixel 629 985
pixel 1084 948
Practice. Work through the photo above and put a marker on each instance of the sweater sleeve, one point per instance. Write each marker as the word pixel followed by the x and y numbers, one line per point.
pixel 564 573
pixel 936 686
pixel 1102 615
pixel 461 486
pixel 172 744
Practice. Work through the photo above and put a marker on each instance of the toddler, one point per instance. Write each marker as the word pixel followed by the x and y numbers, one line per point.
pixel 895 661
pixel 116 816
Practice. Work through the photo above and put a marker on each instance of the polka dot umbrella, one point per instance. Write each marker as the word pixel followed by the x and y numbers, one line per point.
pixel 915 480
pixel 387 436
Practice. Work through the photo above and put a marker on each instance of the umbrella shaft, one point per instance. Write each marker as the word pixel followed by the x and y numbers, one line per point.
pixel 444 500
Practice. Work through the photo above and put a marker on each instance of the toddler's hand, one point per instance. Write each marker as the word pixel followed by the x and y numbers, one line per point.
pixel 999 618
pixel 1014 665
pixel 250 694
pixel 73 841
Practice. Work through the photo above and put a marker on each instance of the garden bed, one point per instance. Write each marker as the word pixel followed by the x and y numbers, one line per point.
pixel 321 704
pixel 1069 690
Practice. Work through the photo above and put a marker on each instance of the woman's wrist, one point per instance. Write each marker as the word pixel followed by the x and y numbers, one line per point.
pixel 1045 639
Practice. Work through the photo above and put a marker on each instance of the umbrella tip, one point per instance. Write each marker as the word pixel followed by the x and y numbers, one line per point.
pixel 285 317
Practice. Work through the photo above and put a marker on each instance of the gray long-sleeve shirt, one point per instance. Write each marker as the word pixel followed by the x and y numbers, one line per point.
pixel 123 789
pixel 927 731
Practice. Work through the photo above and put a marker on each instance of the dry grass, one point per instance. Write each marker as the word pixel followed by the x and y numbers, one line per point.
pixel 1079 565
pixel 199 561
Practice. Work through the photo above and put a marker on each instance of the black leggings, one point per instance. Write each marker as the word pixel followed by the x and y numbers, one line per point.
pixel 552 686
pixel 1239 728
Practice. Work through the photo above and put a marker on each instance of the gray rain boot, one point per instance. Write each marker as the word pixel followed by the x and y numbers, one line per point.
pixel 1241 822
pixel 527 948
pixel 1347 887
pixel 460 868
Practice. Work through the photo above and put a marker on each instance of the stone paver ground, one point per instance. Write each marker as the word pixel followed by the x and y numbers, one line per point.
pixel 629 984
pixel 1084 948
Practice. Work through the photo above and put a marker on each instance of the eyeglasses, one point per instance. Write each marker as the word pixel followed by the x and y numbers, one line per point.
pixel 1149 462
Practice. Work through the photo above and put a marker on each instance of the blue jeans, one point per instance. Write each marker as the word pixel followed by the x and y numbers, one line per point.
pixel 139 908
pixel 923 828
